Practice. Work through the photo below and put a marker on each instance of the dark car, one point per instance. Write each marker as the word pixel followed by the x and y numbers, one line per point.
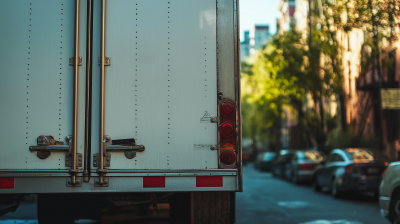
pixel 264 160
pixel 303 165
pixel 351 169
pixel 278 166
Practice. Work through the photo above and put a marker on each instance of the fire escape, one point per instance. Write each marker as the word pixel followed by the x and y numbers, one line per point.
pixel 371 86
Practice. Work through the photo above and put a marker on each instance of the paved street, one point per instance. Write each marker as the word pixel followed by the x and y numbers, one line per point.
pixel 270 200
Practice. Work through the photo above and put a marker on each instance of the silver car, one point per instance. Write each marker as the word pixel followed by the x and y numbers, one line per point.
pixel 303 165
pixel 389 192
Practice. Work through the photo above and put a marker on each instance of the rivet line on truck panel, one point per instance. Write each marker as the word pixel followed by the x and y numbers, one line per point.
pixel 136 76
pixel 61 69
pixel 168 77
pixel 28 72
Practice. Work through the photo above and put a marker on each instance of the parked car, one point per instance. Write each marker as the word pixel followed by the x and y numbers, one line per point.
pixel 389 192
pixel 278 165
pixel 351 169
pixel 264 160
pixel 303 165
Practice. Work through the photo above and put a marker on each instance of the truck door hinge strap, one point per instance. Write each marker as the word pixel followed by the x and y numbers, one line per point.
pixel 72 61
pixel 107 61
pixel 102 181
pixel 73 141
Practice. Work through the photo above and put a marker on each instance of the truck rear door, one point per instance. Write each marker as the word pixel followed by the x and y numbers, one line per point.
pixel 39 87
pixel 160 87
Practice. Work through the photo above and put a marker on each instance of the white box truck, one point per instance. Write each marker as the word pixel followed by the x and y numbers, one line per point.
pixel 124 101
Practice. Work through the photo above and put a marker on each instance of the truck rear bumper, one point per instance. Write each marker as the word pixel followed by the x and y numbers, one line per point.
pixel 128 182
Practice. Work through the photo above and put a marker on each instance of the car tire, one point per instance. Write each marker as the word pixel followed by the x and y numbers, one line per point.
pixel 394 209
pixel 316 187
pixel 288 174
pixel 334 189
pixel 273 173
pixel 295 178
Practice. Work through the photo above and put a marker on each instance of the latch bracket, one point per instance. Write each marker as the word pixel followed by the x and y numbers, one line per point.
pixel 78 182
pixel 46 144
pixel 102 181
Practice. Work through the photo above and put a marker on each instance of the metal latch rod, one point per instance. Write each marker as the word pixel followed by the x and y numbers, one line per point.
pixel 117 148
pixel 50 148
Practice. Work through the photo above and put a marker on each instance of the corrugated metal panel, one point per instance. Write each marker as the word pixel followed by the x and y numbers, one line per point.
pixel 37 39
pixel 161 82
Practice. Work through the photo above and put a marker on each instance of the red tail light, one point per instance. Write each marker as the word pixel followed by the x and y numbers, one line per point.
pixel 227 130
pixel 227 109
pixel 348 169
pixel 306 167
pixel 227 133
pixel 227 157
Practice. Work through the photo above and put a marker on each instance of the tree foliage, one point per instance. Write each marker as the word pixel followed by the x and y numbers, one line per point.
pixel 301 65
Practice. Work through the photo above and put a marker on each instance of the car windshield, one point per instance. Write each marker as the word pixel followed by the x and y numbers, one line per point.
pixel 269 156
pixel 367 155
pixel 311 155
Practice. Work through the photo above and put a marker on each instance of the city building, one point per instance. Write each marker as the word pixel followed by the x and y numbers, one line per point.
pixel 253 40
pixel 245 46
pixel 287 9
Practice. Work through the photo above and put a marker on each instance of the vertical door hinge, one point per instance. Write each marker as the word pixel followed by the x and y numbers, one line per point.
pixel 68 159
pixel 96 160
pixel 72 61
pixel 107 61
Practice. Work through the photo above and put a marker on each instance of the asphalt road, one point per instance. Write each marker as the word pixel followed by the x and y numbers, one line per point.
pixel 271 200
pixel 276 201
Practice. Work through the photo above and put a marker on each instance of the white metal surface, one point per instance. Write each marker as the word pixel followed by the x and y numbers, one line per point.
pixel 161 82
pixel 36 41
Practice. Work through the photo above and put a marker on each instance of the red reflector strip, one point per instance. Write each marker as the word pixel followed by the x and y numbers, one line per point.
pixel 215 181
pixel 6 182
pixel 152 182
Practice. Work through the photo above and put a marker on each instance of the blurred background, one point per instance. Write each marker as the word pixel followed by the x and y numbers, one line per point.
pixel 320 108
pixel 320 74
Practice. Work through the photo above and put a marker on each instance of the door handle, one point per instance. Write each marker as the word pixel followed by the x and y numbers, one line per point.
pixel 128 146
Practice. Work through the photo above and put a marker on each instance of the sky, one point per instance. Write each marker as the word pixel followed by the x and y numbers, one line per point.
pixel 258 12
